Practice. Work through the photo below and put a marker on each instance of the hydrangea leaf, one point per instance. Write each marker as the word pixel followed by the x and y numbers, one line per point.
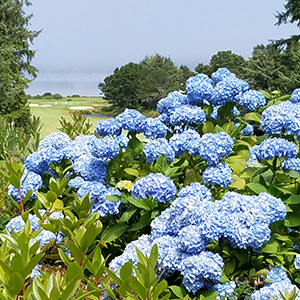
pixel 179 291
pixel 15 284
pixel 292 219
pixel 111 233
pixel 257 188
pixel 236 163
pixel 207 127
pixel 252 116
pixel 131 171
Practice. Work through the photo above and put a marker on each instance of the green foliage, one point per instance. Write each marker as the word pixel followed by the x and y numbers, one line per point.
pixel 142 85
pixel 79 124
pixel 15 58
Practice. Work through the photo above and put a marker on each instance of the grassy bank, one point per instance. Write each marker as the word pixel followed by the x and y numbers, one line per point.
pixel 51 110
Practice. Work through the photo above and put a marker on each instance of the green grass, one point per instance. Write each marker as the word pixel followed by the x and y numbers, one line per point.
pixel 50 115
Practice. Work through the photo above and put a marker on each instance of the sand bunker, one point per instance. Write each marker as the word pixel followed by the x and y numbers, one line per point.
pixel 81 107
pixel 33 104
pixel 46 105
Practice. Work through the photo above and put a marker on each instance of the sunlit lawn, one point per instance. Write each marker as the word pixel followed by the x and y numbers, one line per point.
pixel 50 115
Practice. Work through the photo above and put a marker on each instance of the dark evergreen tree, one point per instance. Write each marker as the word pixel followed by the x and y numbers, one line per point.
pixel 15 58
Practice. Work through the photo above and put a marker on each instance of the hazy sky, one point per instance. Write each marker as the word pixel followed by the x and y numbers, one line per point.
pixel 83 41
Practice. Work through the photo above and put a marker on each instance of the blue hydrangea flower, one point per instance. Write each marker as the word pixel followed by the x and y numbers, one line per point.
pixel 228 90
pixel 29 181
pixel 187 114
pixel 132 120
pixel 17 223
pixel 97 193
pixel 214 147
pixel 187 141
pixel 253 161
pixel 155 148
pixel 38 162
pixel 104 149
pixel 282 117
pixel 36 271
pixel 214 114
pixel 57 140
pixel 155 129
pixel 191 240
pixel 276 147
pixel 196 189
pixel 164 118
pixel 274 291
pixel 221 74
pixel 105 207
pixel 292 164
pixel 108 127
pixel 76 183
pixel 90 168
pixel 198 268
pixel 251 100
pixel 143 243
pixel 247 131
pixel 295 97
pixel 224 289
pixel 155 185
pixel 297 262
pixel 276 274
pixel 172 101
pixel 219 174
pixel 122 140
pixel 199 88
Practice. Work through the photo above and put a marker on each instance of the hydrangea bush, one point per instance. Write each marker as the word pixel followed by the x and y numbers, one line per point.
pixel 202 201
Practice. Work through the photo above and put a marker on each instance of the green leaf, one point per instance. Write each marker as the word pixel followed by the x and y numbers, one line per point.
pixel 178 291
pixel 126 270
pixel 238 183
pixel 113 198
pixel 208 127
pixel 131 171
pixel 257 188
pixel 52 196
pixel 127 215
pixel 17 263
pixel 14 180
pixel 236 163
pixel 111 233
pixel 228 127
pixel 74 272
pixel 230 266
pixel 271 246
pixel 159 289
pixel 15 284
pixel 252 116
pixel 162 164
pixel 191 176
pixel 138 287
pixel 138 203
pixel 292 219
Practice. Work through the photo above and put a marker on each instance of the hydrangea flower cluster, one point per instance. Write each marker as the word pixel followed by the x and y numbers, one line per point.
pixel 186 141
pixel 228 90
pixel 279 283
pixel 284 117
pixel 17 223
pixel 224 289
pixel 155 148
pixel 199 88
pixel 276 147
pixel 187 114
pixel 185 228
pixel 219 174
pixel 291 164
pixel 155 185
pixel 155 129
pixel 29 181
pixel 108 127
pixel 132 120
pixel 247 131
pixel 297 262
pixel 251 100
pixel 213 147
pixel 172 101
pixel 97 192
pixel 295 97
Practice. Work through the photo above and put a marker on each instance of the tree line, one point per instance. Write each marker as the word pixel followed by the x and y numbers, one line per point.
pixel 141 85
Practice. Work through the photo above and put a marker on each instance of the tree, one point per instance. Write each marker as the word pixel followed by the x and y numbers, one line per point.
pixel 15 58
pixel 224 59
pixel 292 15
pixel 121 88
pixel 142 85
pixel 264 67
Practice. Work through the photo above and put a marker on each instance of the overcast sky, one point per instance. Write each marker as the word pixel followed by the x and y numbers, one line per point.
pixel 83 41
